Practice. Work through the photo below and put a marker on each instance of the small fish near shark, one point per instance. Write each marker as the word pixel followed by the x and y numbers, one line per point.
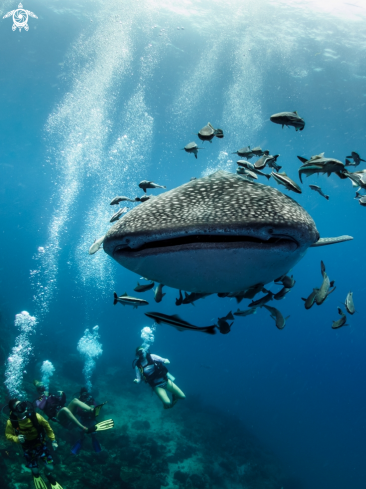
pixel 208 132
pixel 223 325
pixel 320 164
pixel 191 239
pixel 179 323
pixel 126 300
pixel 319 190
pixel 145 184
pixel 340 322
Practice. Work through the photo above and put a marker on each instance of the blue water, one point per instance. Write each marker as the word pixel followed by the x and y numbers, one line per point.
pixel 88 109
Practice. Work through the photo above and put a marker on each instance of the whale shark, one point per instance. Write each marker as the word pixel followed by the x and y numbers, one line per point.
pixel 219 233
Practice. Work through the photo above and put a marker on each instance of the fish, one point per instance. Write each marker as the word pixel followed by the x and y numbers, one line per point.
pixel 309 301
pixel 144 198
pixel 191 298
pixel 324 290
pixel 257 151
pixel 240 313
pixel 356 158
pixel 263 300
pixel 118 214
pixel 362 200
pixel 320 164
pixel 263 161
pixel 219 233
pixel 179 300
pixel 179 323
pixel 340 322
pixel 143 288
pixel 208 132
pixel 96 245
pixel 283 179
pixel 244 152
pixel 247 173
pixel 282 293
pixel 223 325
pixel 117 200
pixel 277 316
pixel 358 178
pixel 350 306
pixel 289 119
pixel 247 294
pixel 249 166
pixel 286 281
pixel 158 293
pixel 192 148
pixel 145 184
pixel 126 300
pixel 319 190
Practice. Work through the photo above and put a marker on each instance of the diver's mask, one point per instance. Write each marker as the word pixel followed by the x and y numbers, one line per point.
pixel 21 410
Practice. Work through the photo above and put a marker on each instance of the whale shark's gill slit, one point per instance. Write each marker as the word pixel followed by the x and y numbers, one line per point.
pixel 198 239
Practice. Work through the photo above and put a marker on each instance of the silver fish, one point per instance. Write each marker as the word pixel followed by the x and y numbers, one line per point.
pixel 350 306
pixel 126 300
pixel 286 281
pixel 192 148
pixel 143 288
pixel 96 245
pixel 244 152
pixel 281 294
pixel 309 301
pixel 192 298
pixel 277 316
pixel 289 119
pixel 319 190
pixel 286 181
pixel 340 322
pixel 249 166
pixel 158 293
pixel 145 184
pixel 118 214
pixel 263 300
pixel 320 164
pixel 117 200
pixel 218 233
pixel 179 323
pixel 239 313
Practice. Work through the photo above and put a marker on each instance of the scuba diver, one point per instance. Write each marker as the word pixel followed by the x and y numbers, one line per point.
pixel 152 369
pixel 29 428
pixel 54 407
pixel 86 418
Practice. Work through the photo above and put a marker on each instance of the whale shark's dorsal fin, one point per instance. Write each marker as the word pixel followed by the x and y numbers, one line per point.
pixel 329 241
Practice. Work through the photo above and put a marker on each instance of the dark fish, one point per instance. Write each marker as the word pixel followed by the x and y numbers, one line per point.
pixel 289 119
pixel 179 323
pixel 247 173
pixel 223 325
pixel 340 322
pixel 117 200
pixel 249 166
pixel 265 160
pixel 144 198
pixel 319 190
pixel 322 268
pixel 245 294
pixel 286 281
pixel 118 214
pixel 356 158
pixel 309 302
pixel 349 303
pixel 191 298
pixel 145 184
pixel 244 152
pixel 179 300
pixel 126 300
pixel 263 300
pixel 192 148
pixel 208 132
pixel 257 151
pixel 286 181
pixel 239 313
pixel 324 290
pixel 277 316
pixel 271 162
pixel 158 293
pixel 320 164
pixel 143 288
pixel 281 294
pixel 332 283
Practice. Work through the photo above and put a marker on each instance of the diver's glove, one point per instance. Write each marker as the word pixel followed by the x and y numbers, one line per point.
pixel 102 426
pixel 54 445
pixel 21 438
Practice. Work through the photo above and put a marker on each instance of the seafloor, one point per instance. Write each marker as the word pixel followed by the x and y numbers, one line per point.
pixel 189 446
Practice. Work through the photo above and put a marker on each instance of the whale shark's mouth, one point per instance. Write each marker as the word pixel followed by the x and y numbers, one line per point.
pixel 209 241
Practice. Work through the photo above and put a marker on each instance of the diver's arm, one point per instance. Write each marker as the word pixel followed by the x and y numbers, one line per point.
pixel 47 427
pixel 138 376
pixel 10 433
pixel 156 358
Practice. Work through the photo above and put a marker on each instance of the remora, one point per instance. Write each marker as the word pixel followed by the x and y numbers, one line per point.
pixel 218 233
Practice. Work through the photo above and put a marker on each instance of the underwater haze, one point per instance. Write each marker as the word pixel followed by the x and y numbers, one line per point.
pixel 99 95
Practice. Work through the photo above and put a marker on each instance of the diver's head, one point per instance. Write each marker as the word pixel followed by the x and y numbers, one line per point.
pixel 84 395
pixel 19 408
pixel 141 352
pixel 39 386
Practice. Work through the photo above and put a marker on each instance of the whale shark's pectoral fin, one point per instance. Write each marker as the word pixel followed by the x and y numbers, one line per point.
pixel 329 241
